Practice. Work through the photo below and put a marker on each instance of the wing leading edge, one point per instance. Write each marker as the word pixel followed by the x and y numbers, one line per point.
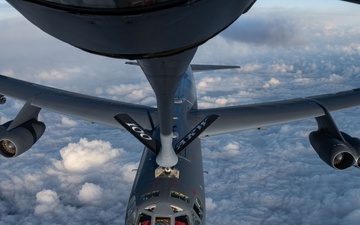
pixel 255 116
pixel 88 108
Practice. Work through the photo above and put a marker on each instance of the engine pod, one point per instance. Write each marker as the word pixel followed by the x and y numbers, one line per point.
pixel 335 153
pixel 21 139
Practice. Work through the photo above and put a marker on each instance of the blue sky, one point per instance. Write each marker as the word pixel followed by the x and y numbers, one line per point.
pixel 259 177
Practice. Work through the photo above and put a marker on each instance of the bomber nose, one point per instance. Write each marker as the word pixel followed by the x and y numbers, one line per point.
pixel 163 209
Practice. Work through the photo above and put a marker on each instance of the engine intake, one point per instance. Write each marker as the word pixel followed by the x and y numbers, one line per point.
pixel 355 143
pixel 21 138
pixel 332 151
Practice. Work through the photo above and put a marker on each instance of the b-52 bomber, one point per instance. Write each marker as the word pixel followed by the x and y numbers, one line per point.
pixel 162 36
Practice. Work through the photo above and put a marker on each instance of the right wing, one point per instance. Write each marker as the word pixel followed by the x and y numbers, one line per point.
pixel 353 1
pixel 88 108
pixel 257 116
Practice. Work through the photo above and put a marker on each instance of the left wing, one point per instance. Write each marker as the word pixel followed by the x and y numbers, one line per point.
pixel 257 116
pixel 88 108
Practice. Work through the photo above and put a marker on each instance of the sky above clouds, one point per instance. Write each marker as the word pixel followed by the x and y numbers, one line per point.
pixel 82 174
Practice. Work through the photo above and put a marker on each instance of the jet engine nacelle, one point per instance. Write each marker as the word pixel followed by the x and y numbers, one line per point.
pixel 355 143
pixel 337 154
pixel 20 139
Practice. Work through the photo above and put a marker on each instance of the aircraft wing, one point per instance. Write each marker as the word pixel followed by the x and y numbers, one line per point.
pixel 88 108
pixel 353 1
pixel 257 116
pixel 231 119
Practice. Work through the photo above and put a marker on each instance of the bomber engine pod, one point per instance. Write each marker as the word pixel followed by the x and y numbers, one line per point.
pixel 332 151
pixel 21 138
pixel 355 143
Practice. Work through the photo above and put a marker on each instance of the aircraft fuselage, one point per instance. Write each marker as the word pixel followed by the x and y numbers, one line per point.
pixel 177 195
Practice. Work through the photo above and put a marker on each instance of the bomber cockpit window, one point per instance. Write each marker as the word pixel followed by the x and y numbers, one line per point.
pixel 198 203
pixel 198 208
pixel 149 195
pixel 113 4
pixel 180 196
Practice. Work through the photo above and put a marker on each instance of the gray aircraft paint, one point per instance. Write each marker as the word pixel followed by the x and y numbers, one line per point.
pixel 177 191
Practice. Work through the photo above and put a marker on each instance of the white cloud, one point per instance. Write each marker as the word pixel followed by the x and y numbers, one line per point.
pixel 207 83
pixel 86 155
pixel 47 201
pixel 251 67
pixel 90 194
pixel 122 89
pixel 8 72
pixel 283 68
pixel 231 149
pixel 271 83
pixel 210 205
pixel 335 78
pixel 56 74
pixel 68 122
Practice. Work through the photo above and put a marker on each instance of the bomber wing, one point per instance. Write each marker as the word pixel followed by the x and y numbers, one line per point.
pixel 256 116
pixel 88 108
